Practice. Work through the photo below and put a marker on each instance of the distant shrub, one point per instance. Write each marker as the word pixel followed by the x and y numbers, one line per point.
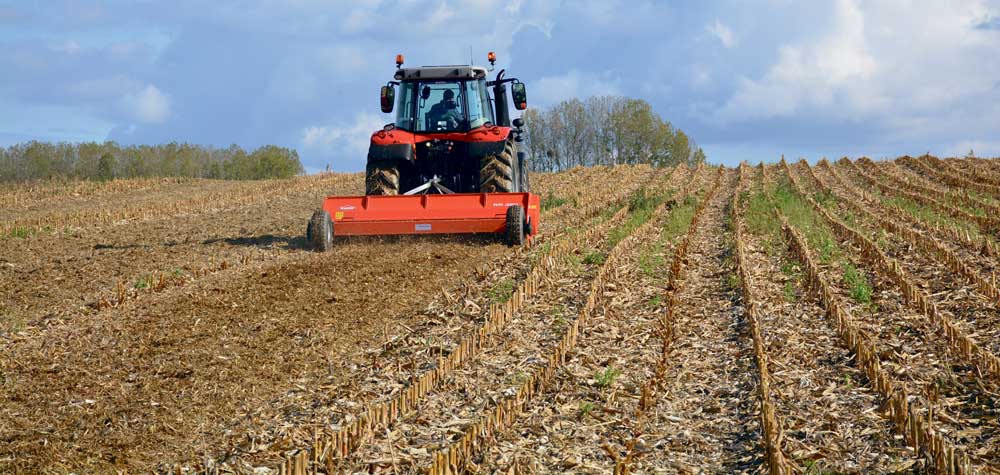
pixel 91 161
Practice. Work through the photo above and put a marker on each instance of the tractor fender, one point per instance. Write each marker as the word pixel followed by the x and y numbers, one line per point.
pixel 379 152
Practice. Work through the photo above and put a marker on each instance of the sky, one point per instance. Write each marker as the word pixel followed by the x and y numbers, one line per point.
pixel 748 80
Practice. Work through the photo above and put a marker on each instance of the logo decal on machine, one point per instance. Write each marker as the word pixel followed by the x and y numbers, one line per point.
pixel 422 227
pixel 347 207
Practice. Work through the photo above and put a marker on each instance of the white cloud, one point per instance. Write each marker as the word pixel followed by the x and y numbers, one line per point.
pixel 574 84
pixel 813 75
pixel 147 105
pixel 345 142
pixel 723 33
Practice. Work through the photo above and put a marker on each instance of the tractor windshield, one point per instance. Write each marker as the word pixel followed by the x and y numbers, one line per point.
pixel 443 106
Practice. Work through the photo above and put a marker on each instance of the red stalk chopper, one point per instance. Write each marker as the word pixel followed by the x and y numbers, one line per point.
pixel 448 164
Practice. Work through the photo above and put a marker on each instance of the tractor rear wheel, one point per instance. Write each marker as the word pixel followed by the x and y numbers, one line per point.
pixel 497 172
pixel 382 178
pixel 319 233
pixel 514 233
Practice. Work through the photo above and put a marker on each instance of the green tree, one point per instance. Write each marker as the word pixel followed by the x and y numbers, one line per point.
pixel 106 167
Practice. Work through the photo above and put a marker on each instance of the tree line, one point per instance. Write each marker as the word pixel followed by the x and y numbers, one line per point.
pixel 606 130
pixel 104 161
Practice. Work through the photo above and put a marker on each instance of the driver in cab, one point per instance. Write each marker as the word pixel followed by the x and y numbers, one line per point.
pixel 445 111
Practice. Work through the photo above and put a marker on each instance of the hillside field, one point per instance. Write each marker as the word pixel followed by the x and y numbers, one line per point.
pixel 841 317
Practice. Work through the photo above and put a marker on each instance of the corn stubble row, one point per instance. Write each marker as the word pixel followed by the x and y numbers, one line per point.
pixel 964 346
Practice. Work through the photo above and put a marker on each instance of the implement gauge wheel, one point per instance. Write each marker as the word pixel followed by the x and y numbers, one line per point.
pixel 514 232
pixel 319 232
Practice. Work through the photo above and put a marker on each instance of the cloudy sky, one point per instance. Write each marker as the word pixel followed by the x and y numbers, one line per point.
pixel 747 79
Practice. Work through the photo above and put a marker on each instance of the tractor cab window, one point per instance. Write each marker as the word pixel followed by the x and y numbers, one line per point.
pixel 480 111
pixel 442 106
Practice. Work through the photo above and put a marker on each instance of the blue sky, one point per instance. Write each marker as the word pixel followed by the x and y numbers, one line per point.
pixel 747 79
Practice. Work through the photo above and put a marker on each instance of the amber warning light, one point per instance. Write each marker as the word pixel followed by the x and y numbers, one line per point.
pixel 492 57
pixel 399 60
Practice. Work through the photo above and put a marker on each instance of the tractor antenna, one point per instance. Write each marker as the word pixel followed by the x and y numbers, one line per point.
pixel 472 59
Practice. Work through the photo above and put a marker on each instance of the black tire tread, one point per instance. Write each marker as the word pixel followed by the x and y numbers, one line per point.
pixel 496 172
pixel 381 178
pixel 316 231
pixel 514 231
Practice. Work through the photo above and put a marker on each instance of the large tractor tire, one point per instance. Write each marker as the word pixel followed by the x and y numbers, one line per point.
pixel 319 232
pixel 382 178
pixel 497 173
pixel 514 234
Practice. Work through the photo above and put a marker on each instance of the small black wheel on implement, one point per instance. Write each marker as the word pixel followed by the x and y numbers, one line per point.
pixel 514 233
pixel 319 232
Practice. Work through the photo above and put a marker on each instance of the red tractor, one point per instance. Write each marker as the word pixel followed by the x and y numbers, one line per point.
pixel 448 164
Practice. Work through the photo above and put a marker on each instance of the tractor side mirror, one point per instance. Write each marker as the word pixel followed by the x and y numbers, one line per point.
pixel 425 93
pixel 520 96
pixel 388 97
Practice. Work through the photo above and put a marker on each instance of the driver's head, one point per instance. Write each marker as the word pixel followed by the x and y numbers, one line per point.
pixel 449 95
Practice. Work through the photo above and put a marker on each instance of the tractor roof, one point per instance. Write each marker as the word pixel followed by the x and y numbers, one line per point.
pixel 440 72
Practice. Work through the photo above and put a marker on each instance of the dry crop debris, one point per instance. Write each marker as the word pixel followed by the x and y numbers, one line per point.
pixel 837 317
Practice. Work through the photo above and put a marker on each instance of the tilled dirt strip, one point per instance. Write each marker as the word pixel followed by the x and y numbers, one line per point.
pixel 172 200
pixel 911 349
pixel 17 196
pixel 831 418
pixel 46 280
pixel 177 376
pixel 955 296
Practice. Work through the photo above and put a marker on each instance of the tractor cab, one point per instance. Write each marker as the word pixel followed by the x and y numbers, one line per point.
pixel 442 99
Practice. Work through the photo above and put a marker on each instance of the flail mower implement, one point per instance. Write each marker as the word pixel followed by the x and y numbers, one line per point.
pixel 448 164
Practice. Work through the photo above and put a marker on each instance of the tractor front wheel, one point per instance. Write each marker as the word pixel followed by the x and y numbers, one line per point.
pixel 319 233
pixel 382 178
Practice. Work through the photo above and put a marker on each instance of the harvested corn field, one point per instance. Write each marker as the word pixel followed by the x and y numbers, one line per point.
pixel 835 317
